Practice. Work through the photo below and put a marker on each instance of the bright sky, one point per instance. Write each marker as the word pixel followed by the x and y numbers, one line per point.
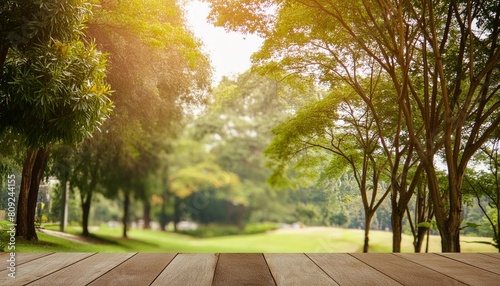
pixel 229 51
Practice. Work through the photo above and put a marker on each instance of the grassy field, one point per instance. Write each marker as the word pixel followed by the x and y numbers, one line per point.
pixel 313 239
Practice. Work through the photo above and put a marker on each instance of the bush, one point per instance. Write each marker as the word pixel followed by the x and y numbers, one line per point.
pixel 260 227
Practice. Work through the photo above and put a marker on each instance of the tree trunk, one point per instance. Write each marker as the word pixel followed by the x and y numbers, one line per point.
pixel 42 157
pixel 368 222
pixel 86 201
pixel 397 227
pixel 423 214
pixel 22 205
pixel 450 239
pixel 177 212
pixel 163 210
pixel 427 240
pixel 33 169
pixel 146 214
pixel 126 203
pixel 497 230
pixel 421 234
pixel 64 204
pixel 366 244
pixel 447 223
pixel 163 216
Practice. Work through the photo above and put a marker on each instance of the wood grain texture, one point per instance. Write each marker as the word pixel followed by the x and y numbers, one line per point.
pixel 84 271
pixel 254 269
pixel 494 255
pixel 43 266
pixel 23 257
pixel 140 269
pixel 189 269
pixel 404 271
pixel 476 259
pixel 242 269
pixel 347 270
pixel 296 269
pixel 458 270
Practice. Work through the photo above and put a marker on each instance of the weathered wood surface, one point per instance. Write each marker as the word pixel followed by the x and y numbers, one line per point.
pixel 252 269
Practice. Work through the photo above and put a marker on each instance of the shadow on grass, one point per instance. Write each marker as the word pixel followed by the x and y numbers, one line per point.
pixel 101 241
pixel 127 243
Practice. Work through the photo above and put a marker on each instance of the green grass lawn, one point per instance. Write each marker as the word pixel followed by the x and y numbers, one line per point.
pixel 305 240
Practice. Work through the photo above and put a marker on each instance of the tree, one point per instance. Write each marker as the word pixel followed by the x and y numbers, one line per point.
pixel 157 71
pixel 441 58
pixel 345 135
pixel 363 76
pixel 486 184
pixel 52 92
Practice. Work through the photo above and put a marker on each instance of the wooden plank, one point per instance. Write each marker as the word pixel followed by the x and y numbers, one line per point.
pixel 478 260
pixel 23 257
pixel 296 269
pixel 404 271
pixel 189 269
pixel 242 269
pixel 458 270
pixel 141 269
pixel 347 270
pixel 84 271
pixel 41 267
pixel 494 255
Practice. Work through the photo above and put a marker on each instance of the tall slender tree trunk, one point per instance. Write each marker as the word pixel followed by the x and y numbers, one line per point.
pixel 126 204
pixel 146 213
pixel 163 215
pixel 424 214
pixel 64 204
pixel 33 168
pixel 368 222
pixel 86 200
pixel 166 198
pixel 177 212
pixel 421 234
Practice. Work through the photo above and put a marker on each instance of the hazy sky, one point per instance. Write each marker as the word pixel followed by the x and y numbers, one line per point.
pixel 229 51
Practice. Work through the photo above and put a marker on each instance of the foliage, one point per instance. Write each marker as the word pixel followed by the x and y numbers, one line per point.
pixel 158 72
pixel 484 187
pixel 24 23
pixel 61 87
pixel 440 58
pixel 231 136
pixel 201 177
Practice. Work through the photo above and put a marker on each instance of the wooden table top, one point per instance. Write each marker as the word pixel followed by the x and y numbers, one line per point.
pixel 252 269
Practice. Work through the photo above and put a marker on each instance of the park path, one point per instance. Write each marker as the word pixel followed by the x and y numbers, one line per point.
pixel 67 236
